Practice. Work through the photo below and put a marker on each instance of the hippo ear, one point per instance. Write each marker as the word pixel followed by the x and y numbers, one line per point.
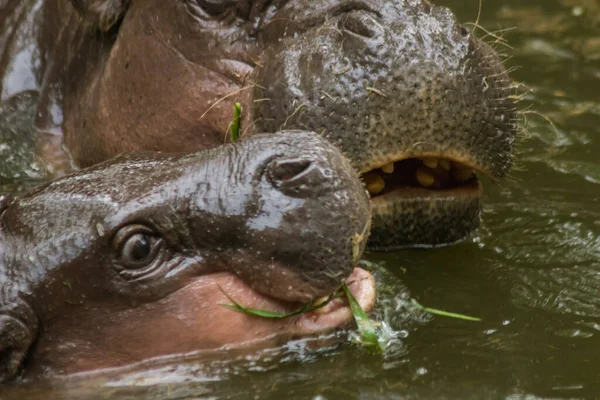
pixel 104 14
pixel 15 340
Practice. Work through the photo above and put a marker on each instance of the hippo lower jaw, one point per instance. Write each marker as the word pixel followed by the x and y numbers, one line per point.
pixel 193 322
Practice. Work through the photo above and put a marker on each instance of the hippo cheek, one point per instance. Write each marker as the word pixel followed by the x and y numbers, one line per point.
pixel 192 319
pixel 416 102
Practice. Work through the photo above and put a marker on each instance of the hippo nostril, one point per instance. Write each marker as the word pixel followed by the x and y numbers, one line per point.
pixel 359 22
pixel 286 169
pixel 300 176
pixel 464 31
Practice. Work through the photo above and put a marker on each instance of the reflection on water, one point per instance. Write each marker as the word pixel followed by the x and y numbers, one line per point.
pixel 532 271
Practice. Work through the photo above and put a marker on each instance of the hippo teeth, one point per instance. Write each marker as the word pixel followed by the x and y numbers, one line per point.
pixel 424 172
pixel 374 182
pixel 388 168
pixel 320 300
pixel 424 177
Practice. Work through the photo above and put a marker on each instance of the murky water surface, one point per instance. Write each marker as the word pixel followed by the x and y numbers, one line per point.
pixel 531 272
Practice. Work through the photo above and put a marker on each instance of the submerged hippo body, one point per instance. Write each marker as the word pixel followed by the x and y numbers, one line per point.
pixel 131 259
pixel 413 98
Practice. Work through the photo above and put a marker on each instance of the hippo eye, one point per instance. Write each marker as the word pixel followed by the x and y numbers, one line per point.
pixel 137 246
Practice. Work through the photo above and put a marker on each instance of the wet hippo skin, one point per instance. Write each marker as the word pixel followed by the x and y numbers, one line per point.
pixel 412 97
pixel 129 259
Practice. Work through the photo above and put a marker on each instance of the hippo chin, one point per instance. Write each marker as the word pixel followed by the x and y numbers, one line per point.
pixel 131 259
pixel 413 98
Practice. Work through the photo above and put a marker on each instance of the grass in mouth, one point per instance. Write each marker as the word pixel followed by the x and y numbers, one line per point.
pixel 235 123
pixel 367 328
pixel 308 307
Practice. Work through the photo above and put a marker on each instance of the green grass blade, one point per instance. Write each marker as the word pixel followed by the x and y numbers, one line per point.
pixel 308 307
pixel 256 312
pixel 366 328
pixel 444 313
pixel 235 123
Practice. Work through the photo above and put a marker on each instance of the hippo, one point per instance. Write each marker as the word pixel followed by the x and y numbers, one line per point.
pixel 132 259
pixel 415 100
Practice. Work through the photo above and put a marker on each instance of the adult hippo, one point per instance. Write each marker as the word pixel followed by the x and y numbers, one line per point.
pixel 131 259
pixel 412 97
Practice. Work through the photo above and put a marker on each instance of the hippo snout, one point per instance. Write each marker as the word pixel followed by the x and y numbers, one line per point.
pixel 317 206
pixel 416 101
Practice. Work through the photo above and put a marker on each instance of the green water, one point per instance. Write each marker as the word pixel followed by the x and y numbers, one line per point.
pixel 531 272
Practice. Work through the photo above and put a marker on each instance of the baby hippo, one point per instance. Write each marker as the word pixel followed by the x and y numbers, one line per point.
pixel 133 258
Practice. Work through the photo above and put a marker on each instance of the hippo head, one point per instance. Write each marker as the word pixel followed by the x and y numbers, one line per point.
pixel 131 259
pixel 413 98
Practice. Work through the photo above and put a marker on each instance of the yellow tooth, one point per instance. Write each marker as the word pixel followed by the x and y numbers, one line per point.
pixel 445 164
pixel 462 175
pixel 375 183
pixel 320 301
pixel 388 168
pixel 425 178
pixel 430 162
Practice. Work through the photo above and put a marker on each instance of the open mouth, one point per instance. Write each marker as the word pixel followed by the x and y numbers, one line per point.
pixel 432 173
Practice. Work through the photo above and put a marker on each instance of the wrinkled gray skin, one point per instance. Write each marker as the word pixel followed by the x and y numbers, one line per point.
pixel 270 219
pixel 383 80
